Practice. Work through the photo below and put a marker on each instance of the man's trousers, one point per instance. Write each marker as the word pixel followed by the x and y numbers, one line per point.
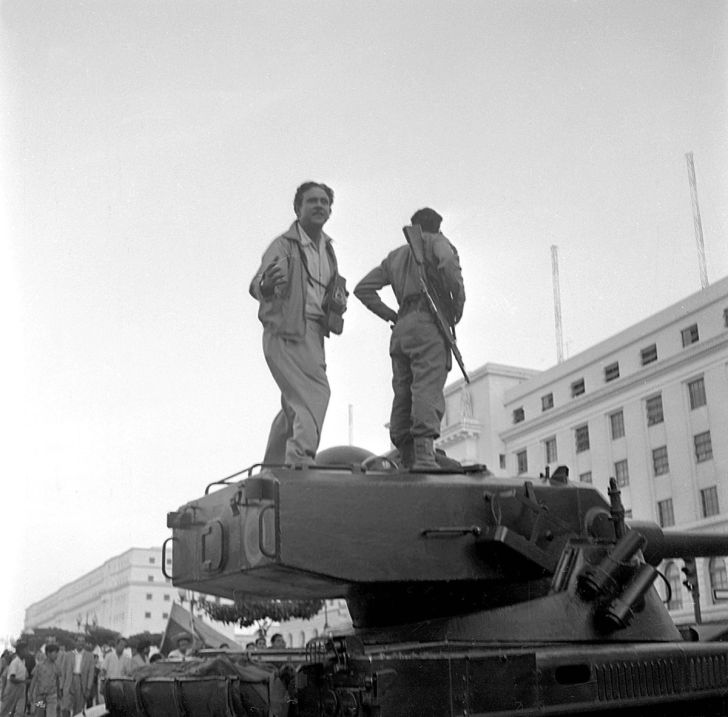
pixel 299 369
pixel 13 701
pixel 419 371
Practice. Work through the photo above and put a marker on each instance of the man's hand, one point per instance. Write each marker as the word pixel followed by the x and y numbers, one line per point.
pixel 275 275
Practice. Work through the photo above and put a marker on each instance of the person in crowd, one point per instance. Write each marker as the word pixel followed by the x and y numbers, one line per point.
pixel 297 286
pixel 184 648
pixel 420 355
pixel 260 642
pixel 45 684
pixel 156 657
pixel 5 659
pixel 278 642
pixel 117 663
pixel 13 696
pixel 93 698
pixel 140 656
pixel 77 676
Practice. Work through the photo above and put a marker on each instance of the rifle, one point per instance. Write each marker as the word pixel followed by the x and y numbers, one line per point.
pixel 413 234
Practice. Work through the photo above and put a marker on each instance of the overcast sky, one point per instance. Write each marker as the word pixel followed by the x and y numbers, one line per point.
pixel 150 152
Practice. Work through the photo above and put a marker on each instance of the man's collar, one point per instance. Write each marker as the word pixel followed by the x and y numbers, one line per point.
pixel 301 236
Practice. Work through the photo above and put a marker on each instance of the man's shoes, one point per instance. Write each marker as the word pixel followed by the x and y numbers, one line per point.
pixel 424 456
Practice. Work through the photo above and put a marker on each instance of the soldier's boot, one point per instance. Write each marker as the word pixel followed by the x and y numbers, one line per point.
pixel 424 455
pixel 406 454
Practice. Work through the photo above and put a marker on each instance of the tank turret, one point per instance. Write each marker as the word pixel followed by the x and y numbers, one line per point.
pixel 468 593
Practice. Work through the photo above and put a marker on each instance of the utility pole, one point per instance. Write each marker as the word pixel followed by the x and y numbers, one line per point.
pixel 696 221
pixel 557 303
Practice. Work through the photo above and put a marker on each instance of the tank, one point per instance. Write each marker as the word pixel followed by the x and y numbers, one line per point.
pixel 469 594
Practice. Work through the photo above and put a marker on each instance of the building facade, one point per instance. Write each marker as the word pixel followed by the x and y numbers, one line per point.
pixel 128 593
pixel 648 407
pixel 475 415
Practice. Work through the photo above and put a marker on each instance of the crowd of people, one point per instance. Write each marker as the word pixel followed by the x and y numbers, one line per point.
pixel 56 682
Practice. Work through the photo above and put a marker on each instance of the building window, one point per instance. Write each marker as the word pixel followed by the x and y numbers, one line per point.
pixel 165 615
pixel 166 598
pixel 621 473
pixel 150 578
pixel 616 423
pixel 665 514
pixel 611 372
pixel 577 388
pixel 648 354
pixel 502 460
pixel 709 501
pixel 703 447
pixel 585 477
pixel 672 573
pixel 149 596
pixel 547 401
pixel 696 391
pixel 718 575
pixel 660 464
pixel 152 561
pixel 581 434
pixel 653 406
pixel 147 615
pixel 550 446
pixel 522 461
pixel 690 335
pixel 518 414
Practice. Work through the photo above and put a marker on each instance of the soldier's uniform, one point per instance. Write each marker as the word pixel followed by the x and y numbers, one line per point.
pixel 420 357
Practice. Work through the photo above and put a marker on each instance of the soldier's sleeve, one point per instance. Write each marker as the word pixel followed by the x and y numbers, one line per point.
pixel 367 291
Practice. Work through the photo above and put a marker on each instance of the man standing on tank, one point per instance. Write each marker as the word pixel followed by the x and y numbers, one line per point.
pixel 291 285
pixel 420 357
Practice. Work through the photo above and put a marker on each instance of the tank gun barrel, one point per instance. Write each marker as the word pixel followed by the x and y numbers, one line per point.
pixel 663 544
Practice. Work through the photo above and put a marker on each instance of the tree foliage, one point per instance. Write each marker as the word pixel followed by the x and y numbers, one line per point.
pixel 39 636
pixel 261 612
pixel 101 635
pixel 151 638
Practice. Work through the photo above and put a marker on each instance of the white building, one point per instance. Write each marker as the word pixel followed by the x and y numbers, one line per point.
pixel 128 593
pixel 648 406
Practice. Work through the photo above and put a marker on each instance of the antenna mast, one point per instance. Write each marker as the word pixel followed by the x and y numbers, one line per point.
pixel 696 221
pixel 557 303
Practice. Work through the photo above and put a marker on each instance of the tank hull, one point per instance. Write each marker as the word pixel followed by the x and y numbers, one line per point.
pixel 444 680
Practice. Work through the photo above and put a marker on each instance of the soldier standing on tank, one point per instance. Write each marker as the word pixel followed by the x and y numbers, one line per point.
pixel 295 284
pixel 420 357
